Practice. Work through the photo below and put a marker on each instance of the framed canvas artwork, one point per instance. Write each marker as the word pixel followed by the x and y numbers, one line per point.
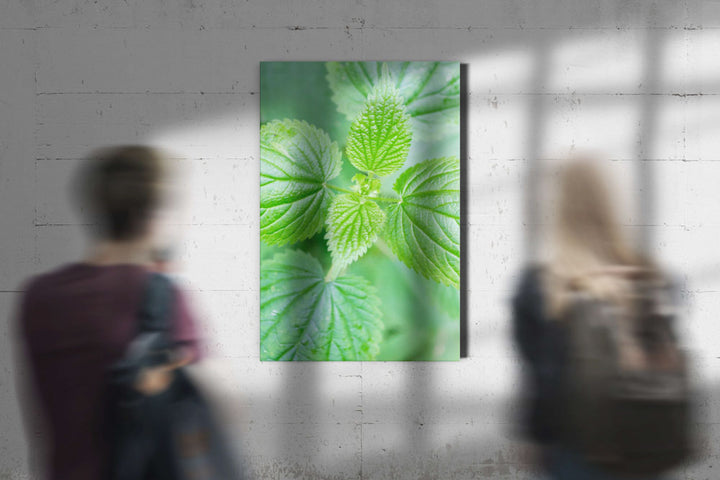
pixel 360 211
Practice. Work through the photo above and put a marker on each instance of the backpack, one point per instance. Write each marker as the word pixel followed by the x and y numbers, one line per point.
pixel 626 394
pixel 172 435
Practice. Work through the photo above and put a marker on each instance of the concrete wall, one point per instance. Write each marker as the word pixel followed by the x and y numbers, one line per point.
pixel 636 80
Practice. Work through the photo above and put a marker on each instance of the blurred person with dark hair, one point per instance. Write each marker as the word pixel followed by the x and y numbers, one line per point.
pixel 77 320
pixel 589 258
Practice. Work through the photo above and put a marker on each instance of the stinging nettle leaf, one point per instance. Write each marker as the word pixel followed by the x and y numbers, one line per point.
pixel 353 224
pixel 296 162
pixel 431 92
pixel 379 138
pixel 423 230
pixel 303 317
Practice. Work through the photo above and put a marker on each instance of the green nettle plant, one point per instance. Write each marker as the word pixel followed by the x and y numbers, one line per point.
pixel 308 313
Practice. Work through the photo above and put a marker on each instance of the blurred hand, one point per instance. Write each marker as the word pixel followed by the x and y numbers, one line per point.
pixel 152 381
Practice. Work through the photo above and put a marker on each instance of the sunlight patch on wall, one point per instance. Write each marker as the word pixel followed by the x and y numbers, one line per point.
pixel 597 61
pixel 500 72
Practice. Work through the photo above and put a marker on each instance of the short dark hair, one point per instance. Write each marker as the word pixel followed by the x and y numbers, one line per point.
pixel 121 187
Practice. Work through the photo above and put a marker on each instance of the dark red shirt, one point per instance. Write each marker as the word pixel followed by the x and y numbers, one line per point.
pixel 74 323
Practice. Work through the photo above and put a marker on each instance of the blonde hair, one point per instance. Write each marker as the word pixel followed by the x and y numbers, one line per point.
pixel 590 252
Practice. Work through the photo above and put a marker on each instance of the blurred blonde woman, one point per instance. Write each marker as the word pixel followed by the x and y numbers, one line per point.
pixel 589 253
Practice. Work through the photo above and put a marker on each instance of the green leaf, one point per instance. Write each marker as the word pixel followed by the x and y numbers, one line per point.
pixel 296 162
pixel 379 138
pixel 424 228
pixel 354 223
pixel 431 92
pixel 303 317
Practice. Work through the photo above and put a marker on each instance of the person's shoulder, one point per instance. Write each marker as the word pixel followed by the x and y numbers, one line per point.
pixel 180 290
pixel 528 287
pixel 171 283
pixel 37 289
pixel 30 284
pixel 43 280
pixel 531 275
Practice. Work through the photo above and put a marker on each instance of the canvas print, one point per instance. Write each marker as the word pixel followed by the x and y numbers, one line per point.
pixel 360 211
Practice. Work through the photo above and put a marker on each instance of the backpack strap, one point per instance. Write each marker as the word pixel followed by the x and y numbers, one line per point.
pixel 152 344
pixel 156 307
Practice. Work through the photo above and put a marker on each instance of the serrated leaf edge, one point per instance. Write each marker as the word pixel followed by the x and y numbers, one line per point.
pixel 343 261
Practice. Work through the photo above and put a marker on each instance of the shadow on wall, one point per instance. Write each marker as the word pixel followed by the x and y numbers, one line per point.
pixel 453 447
pixel 443 442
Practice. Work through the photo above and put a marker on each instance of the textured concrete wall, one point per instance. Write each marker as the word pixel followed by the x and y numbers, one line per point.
pixel 632 79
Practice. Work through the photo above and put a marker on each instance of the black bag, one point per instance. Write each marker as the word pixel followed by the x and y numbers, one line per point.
pixel 627 399
pixel 171 435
